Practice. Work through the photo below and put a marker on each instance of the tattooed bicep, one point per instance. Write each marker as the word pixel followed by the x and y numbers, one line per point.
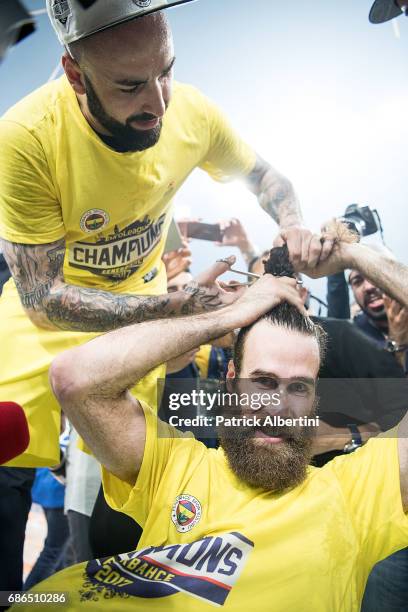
pixel 254 178
pixel 35 268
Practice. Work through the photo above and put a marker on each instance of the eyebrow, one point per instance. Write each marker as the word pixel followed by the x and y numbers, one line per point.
pixel 304 379
pixel 134 82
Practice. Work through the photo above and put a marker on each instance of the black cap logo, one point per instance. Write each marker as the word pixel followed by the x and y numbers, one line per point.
pixel 61 10
pixel 143 3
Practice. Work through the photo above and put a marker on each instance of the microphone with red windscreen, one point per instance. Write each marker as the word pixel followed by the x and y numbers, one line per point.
pixel 14 434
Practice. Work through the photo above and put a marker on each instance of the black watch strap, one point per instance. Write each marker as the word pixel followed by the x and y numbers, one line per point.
pixel 355 434
pixel 356 440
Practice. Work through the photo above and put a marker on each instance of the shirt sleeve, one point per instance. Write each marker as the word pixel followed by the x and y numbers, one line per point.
pixel 382 383
pixel 30 212
pixel 338 301
pixel 370 482
pixel 165 448
pixel 228 156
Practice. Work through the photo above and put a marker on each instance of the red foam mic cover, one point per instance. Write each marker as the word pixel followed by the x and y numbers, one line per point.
pixel 14 434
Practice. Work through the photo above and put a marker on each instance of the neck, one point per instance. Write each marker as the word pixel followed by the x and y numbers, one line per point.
pixel 94 123
pixel 381 324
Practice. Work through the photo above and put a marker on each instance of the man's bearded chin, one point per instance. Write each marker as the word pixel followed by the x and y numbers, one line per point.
pixel 272 467
pixel 124 136
pixel 379 315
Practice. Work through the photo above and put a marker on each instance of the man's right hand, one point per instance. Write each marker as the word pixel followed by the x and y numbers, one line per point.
pixel 262 296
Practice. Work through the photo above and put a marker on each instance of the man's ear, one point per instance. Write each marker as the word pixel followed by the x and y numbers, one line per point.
pixel 231 369
pixel 74 74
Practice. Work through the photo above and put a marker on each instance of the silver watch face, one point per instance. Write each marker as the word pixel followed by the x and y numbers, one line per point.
pixel 351 446
pixel 391 346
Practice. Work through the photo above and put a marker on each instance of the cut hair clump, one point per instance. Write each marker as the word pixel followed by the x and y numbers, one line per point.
pixel 278 263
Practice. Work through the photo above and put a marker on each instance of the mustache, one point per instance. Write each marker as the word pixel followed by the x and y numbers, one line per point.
pixel 374 293
pixel 267 428
pixel 141 117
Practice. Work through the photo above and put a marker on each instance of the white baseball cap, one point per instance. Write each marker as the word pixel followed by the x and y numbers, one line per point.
pixel 72 21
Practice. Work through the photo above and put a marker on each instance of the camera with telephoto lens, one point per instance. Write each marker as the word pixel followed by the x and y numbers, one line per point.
pixel 361 220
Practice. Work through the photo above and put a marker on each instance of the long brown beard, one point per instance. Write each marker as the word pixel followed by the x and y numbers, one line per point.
pixel 269 467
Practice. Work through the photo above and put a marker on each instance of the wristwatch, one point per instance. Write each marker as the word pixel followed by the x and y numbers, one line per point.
pixel 355 441
pixel 392 347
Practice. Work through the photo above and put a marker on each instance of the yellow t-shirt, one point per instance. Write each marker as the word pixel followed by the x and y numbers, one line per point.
pixel 209 539
pixel 202 360
pixel 58 179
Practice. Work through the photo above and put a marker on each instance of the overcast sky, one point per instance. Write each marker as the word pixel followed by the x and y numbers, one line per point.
pixel 317 90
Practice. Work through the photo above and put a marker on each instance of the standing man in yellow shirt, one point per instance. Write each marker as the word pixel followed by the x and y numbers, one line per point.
pixel 89 166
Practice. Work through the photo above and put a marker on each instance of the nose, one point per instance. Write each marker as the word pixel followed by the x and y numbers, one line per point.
pixel 278 402
pixel 368 286
pixel 155 102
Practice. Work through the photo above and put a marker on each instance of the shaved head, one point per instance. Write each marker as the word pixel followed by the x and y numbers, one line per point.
pixel 123 80
pixel 121 38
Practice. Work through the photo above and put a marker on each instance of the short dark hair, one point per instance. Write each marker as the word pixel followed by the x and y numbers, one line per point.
pixel 283 315
pixel 255 259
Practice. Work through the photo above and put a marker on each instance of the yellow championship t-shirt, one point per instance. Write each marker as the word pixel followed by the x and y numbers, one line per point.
pixel 210 540
pixel 59 180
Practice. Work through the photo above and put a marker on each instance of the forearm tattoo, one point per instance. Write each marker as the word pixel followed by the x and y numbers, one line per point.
pixel 81 309
pixel 38 273
pixel 201 299
pixel 275 194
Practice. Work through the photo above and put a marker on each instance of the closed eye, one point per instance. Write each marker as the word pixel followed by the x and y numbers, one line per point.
pixel 130 91
pixel 137 86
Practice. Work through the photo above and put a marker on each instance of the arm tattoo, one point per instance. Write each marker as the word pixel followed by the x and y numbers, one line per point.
pixel 38 273
pixel 201 299
pixel 81 309
pixel 35 268
pixel 275 193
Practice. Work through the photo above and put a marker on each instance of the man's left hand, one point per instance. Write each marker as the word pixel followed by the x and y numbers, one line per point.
pixel 306 250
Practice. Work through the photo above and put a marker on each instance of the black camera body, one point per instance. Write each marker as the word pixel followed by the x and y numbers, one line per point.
pixel 361 220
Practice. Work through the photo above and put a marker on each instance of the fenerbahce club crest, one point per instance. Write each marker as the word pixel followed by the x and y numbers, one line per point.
pixel 186 512
pixel 93 220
